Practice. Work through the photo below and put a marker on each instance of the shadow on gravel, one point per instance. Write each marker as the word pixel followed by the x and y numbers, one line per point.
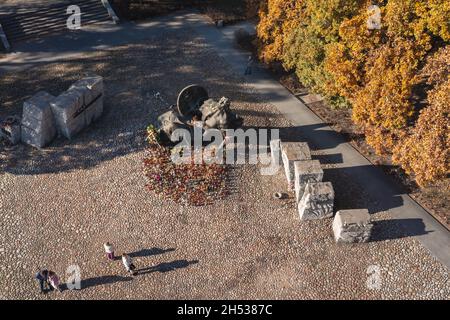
pixel 150 252
pixel 98 281
pixel 133 75
pixel 167 266
pixel 397 229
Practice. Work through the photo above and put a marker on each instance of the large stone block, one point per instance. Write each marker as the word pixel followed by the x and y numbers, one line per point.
pixel 275 151
pixel 37 139
pixel 72 127
pixel 38 124
pixel 79 106
pixel 352 226
pixel 317 201
pixel 38 107
pixel 67 106
pixel 291 152
pixel 94 111
pixel 304 172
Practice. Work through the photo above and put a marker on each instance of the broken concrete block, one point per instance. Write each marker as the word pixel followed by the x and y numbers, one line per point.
pixel 291 152
pixel 10 130
pixel 352 226
pixel 275 151
pixel 317 201
pixel 304 172
pixel 38 124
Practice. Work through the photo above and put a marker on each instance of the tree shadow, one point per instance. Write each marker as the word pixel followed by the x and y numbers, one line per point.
pixel 129 106
pixel 396 229
pixel 150 252
pixel 167 266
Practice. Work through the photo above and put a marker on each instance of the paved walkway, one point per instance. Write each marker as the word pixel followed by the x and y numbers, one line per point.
pixel 387 195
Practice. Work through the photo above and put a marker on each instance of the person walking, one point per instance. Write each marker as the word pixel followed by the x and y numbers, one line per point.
pixel 109 249
pixel 54 281
pixel 42 277
pixel 128 263
pixel 248 70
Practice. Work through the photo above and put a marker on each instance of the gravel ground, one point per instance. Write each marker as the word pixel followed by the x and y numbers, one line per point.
pixel 59 205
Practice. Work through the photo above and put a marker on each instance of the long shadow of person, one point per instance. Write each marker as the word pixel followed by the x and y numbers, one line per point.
pixel 167 266
pixel 150 252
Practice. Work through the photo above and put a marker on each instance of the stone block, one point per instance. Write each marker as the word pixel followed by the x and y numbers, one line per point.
pixel 275 151
pixel 317 201
pixel 37 139
pixel 38 106
pixel 291 152
pixel 66 106
pixel 79 106
pixel 304 172
pixel 351 226
pixel 94 111
pixel 38 124
pixel 72 127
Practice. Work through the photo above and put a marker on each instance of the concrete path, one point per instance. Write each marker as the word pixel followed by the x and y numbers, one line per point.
pixel 417 221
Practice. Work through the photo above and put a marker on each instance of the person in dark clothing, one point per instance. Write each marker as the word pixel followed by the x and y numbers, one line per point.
pixel 42 277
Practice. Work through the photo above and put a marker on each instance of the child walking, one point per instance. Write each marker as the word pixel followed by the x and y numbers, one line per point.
pixel 109 249
pixel 128 263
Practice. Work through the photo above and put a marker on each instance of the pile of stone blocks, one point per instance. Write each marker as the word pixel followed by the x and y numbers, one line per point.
pixel 10 130
pixel 314 198
pixel 352 226
pixel 77 107
pixel 44 116
pixel 38 124
pixel 317 201
pixel 290 153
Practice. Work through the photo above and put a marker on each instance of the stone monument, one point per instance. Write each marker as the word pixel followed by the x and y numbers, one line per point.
pixel 194 105
pixel 317 201
pixel 352 226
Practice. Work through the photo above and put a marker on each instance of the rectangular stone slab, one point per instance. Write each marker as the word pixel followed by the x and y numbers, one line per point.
pixel 352 226
pixel 37 139
pixel 275 151
pixel 66 105
pixel 317 201
pixel 291 152
pixel 38 107
pixel 304 172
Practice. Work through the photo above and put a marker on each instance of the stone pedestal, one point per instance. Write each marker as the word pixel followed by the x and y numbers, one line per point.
pixel 291 152
pixel 351 226
pixel 38 125
pixel 76 108
pixel 275 151
pixel 304 172
pixel 317 201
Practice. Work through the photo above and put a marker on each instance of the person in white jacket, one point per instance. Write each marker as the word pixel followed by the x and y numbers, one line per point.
pixel 109 249
pixel 128 263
